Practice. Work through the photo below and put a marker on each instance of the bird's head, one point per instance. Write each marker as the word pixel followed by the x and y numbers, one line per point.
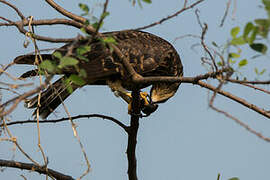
pixel 161 92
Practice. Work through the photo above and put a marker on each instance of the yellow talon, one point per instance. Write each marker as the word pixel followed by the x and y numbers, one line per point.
pixel 143 96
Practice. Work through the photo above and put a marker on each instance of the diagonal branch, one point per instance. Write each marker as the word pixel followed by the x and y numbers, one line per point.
pixel 33 167
pixel 235 98
pixel 70 15
pixel 267 139
pixel 171 16
pixel 14 8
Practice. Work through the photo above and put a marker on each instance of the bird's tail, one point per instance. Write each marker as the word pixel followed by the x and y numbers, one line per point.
pixel 51 98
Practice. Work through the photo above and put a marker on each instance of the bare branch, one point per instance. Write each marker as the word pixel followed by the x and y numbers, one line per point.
pixel 247 82
pixel 256 88
pixel 70 15
pixel 73 118
pixel 193 80
pixel 241 124
pixel 226 13
pixel 56 21
pixel 235 98
pixel 204 30
pixel 171 16
pixel 18 99
pixel 33 167
pixel 14 8
pixel 132 135
pixel 102 16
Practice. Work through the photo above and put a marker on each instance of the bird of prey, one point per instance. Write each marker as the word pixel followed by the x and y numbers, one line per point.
pixel 148 54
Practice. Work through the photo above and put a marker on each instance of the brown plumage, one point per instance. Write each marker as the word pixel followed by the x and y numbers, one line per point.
pixel 148 54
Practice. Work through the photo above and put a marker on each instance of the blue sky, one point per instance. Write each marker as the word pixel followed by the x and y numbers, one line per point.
pixel 184 139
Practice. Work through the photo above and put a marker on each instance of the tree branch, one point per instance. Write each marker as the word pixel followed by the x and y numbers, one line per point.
pixel 171 16
pixel 70 15
pixel 33 167
pixel 132 135
pixel 18 99
pixel 14 8
pixel 67 119
pixel 235 98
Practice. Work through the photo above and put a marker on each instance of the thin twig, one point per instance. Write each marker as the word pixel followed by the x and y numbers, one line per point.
pixel 73 118
pixel 102 17
pixel 235 98
pixel 256 88
pixel 226 13
pixel 18 99
pixel 242 124
pixel 70 15
pixel 204 30
pixel 247 82
pixel 170 16
pixel 14 8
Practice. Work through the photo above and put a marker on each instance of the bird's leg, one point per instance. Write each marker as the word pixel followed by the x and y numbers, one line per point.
pixel 147 106
pixel 119 91
pixel 143 98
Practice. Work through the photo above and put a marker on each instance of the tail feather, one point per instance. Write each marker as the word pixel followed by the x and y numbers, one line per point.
pixel 50 99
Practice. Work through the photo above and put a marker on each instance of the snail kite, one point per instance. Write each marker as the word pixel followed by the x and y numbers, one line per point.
pixel 148 54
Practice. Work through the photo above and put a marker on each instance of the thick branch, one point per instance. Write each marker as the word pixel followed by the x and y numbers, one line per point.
pixel 41 22
pixel 132 135
pixel 193 80
pixel 33 167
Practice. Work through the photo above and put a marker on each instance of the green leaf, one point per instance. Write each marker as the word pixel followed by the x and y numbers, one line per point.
pixel 67 83
pixel 242 63
pixel 263 71
pixel 83 49
pixel 232 61
pixel 253 35
pixel 81 57
pixel 256 71
pixel 235 31
pixel 57 54
pixel 109 40
pixel 77 80
pixel 48 66
pixel 234 55
pixel 259 47
pixel 84 8
pixel 84 31
pixel 147 1
pixel 234 178
pixel 238 41
pixel 82 73
pixel 220 63
pixel 67 61
pixel 105 14
pixel 87 22
pixel 263 26
pixel 248 28
pixel 267 6
pixel 95 25
pixel 214 44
